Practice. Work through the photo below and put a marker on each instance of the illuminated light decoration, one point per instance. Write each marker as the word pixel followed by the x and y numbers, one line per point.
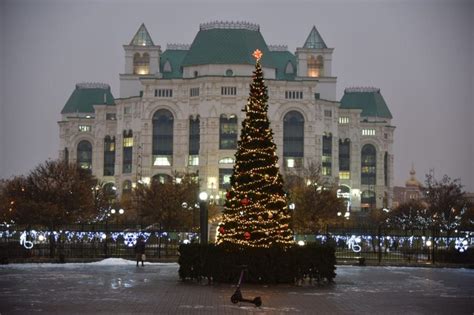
pixel 247 235
pixel 301 243
pixel 130 239
pixel 353 243
pixel 23 239
pixel 428 243
pixel 257 54
pixel 461 244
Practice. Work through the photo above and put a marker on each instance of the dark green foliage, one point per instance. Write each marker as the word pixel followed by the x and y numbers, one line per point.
pixel 222 263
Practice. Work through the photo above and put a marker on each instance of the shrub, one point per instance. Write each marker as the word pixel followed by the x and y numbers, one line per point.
pixel 223 263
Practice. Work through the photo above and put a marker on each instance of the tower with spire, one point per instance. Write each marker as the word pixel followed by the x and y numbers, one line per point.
pixel 142 59
pixel 314 61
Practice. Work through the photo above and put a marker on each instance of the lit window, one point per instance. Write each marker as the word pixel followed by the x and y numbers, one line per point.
pixel 141 64
pixel 84 128
pixel 193 160
pixel 368 132
pixel 343 120
pixel 344 175
pixel 226 160
pixel 84 155
pixel 127 151
pixel 109 156
pixel 228 132
pixel 162 160
pixel 327 155
pixel 368 165
pixel 315 66
pixel 292 162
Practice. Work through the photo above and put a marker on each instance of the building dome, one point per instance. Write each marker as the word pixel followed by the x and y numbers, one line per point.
pixel 412 181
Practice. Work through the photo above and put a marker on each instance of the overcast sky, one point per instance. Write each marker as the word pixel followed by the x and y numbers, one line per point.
pixel 419 53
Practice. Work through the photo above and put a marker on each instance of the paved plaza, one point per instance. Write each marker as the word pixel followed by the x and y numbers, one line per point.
pixel 117 286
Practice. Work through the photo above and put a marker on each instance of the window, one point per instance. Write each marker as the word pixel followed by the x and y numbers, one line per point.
pixel 344 159
pixel 194 92
pixel 315 66
pixel 228 132
pixel 84 128
pixel 343 120
pixel 162 145
pixel 66 155
pixel 196 74
pixel 327 113
pixel 229 72
pixel 293 139
pixel 126 186
pixel 385 136
pixel 294 95
pixel 193 160
pixel 194 137
pixel 141 64
pixel 84 155
pixel 368 165
pixel 109 156
pixel 224 178
pixel 385 168
pixel 367 200
pixel 368 132
pixel 162 178
pixel 127 110
pixel 227 160
pixel 228 90
pixel 327 155
pixel 127 151
pixel 110 116
pixel 164 93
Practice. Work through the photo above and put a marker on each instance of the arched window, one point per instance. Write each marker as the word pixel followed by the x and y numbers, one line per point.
pixel 162 138
pixel 367 200
pixel 315 66
pixel 229 72
pixel 110 192
pixel 228 132
pixel 141 64
pixel 162 178
pixel 127 151
pixel 84 155
pixel 368 165
pixel 194 138
pixel 327 155
pixel 126 186
pixel 293 139
pixel 109 156
pixel 344 159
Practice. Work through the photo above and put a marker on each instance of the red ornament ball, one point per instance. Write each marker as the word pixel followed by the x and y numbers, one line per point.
pixel 247 235
pixel 244 201
pixel 227 195
pixel 221 230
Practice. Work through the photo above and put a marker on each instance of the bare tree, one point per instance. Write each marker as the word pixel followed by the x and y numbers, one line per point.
pixel 316 201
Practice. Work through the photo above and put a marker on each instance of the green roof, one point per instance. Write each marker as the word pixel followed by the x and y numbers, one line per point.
pixel 175 57
pixel 281 59
pixel 314 40
pixel 227 46
pixel 86 95
pixel 142 37
pixel 368 99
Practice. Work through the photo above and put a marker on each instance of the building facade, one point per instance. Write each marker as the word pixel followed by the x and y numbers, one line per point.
pixel 180 110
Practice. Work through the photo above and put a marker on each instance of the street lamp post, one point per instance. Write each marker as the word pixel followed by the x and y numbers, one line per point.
pixel 203 216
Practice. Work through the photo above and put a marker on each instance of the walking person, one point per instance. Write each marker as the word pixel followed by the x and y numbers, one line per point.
pixel 140 250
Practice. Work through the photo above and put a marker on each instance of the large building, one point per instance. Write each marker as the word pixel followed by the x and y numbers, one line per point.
pixel 180 110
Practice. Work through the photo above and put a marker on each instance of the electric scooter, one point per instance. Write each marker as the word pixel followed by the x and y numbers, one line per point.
pixel 237 296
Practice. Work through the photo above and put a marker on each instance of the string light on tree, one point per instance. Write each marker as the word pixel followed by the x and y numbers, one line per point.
pixel 256 212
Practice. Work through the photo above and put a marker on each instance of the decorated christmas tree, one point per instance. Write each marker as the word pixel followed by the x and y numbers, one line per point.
pixel 256 212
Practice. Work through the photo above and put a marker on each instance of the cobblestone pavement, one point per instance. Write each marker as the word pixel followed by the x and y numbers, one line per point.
pixel 122 288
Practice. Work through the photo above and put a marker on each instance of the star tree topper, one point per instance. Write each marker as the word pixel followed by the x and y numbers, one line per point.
pixel 257 54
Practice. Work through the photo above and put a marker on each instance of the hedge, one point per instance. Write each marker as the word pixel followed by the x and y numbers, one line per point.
pixel 223 263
